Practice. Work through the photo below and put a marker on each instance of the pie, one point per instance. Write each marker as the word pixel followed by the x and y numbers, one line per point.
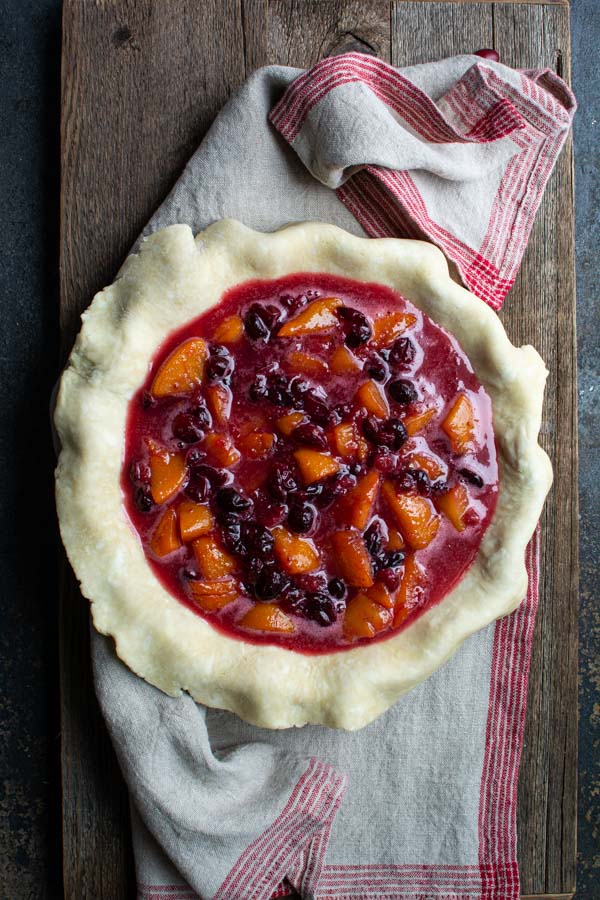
pixel 297 469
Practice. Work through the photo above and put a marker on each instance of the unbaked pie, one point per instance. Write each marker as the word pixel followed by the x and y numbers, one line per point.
pixel 297 469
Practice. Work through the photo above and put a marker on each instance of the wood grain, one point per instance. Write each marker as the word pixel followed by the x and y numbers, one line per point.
pixel 142 81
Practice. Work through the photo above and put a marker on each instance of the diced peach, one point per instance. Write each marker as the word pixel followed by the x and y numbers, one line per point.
pixel 395 540
pixel 454 504
pixel 315 465
pixel 345 440
pixel 317 316
pixel 343 362
pixel 294 554
pixel 380 594
pixel 214 595
pixel 351 558
pixel 221 450
pixel 219 399
pixel 373 399
pixel 167 473
pixel 267 617
pixel 182 370
pixel 305 364
pixel 214 562
pixel 287 423
pixel 363 448
pixel 459 424
pixel 410 590
pixel 419 421
pixel 389 326
pixel 195 519
pixel 165 539
pixel 257 445
pixel 418 520
pixel 364 617
pixel 356 506
pixel 429 464
pixel 229 331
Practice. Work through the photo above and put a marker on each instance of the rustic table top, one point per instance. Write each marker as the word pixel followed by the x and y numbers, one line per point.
pixel 141 83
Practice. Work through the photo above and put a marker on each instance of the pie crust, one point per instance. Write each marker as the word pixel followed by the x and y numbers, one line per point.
pixel 174 278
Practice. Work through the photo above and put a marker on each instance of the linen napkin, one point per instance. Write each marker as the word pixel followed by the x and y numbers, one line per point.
pixel 422 802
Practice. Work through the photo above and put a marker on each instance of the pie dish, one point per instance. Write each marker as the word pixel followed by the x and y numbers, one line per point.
pixel 297 469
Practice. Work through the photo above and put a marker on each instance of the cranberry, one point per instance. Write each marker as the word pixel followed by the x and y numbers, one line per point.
pixel 281 481
pixel 383 460
pixel 258 389
pixel 357 336
pixel 258 538
pixel 312 490
pixel 402 391
pixel 333 487
pixel 195 457
pixel 198 489
pixel 359 330
pixel 402 353
pixel 268 513
pixel 139 472
pixel 148 401
pixel 471 517
pixel 355 468
pixel 389 578
pixel 186 428
pixel 337 588
pixel 278 390
pixel 217 477
pixel 320 608
pixel 143 499
pixel 391 433
pixel 370 427
pixel 299 387
pixel 201 413
pixel 414 480
pixel 232 537
pixel 488 53
pixel 311 435
pixel 342 410
pixel 220 366
pixel 316 407
pixel 295 302
pixel 376 368
pixel 270 583
pixel 301 517
pixel 471 477
pixel 374 537
pixel 392 559
pixel 312 581
pixel 231 501
pixel 255 323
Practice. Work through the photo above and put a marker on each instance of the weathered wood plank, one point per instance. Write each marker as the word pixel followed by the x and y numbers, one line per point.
pixel 141 83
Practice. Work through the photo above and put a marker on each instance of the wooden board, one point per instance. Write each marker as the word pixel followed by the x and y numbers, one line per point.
pixel 141 83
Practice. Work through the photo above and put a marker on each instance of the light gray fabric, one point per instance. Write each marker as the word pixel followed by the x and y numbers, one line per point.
pixel 204 783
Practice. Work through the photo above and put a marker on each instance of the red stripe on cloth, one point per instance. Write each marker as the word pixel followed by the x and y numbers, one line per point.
pixel 273 855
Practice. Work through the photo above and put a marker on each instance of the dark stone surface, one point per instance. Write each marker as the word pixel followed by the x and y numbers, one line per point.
pixel 29 179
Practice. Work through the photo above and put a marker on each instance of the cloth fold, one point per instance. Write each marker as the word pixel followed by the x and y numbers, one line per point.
pixel 422 802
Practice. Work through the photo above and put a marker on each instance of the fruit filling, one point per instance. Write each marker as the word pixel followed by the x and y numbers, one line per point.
pixel 311 463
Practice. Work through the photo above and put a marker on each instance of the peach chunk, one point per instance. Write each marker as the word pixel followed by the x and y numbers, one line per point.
pixel 267 617
pixel 305 364
pixel 352 558
pixel 315 465
pixel 221 450
pixel 345 440
pixel 182 370
pixel 229 331
pixel 257 445
pixel 454 504
pixel 343 362
pixel 213 595
pixel 165 539
pixel 459 424
pixel 409 591
pixel 380 594
pixel 317 316
pixel 364 617
pixel 415 515
pixel 395 540
pixel 195 519
pixel 219 400
pixel 167 473
pixel 295 554
pixel 356 506
pixel 214 562
pixel 419 421
pixel 389 326
pixel 373 399
pixel 287 423
pixel 429 464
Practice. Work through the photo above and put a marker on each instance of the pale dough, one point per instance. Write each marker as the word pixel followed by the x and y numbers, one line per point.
pixel 174 278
